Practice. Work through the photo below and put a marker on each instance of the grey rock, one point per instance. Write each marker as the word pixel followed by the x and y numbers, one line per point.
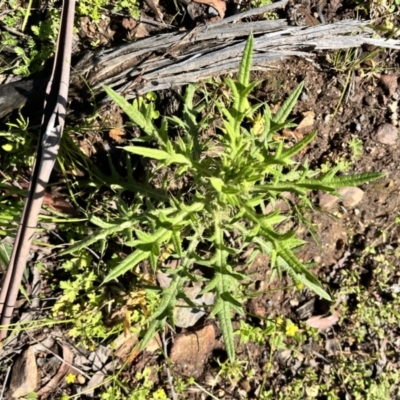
pixel 386 134
pixel 185 315
pixel 327 200
pixel 351 196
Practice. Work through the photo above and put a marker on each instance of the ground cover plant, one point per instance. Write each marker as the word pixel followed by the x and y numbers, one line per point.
pixel 249 170
pixel 196 197
pixel 215 205
pixel 27 52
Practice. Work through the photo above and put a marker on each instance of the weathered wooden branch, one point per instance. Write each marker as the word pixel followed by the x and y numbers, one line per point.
pixel 173 59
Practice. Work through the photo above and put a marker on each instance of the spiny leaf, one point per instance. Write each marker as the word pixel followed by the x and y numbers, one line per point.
pixel 100 223
pixel 225 319
pixel 212 284
pixel 354 180
pixel 245 64
pixel 292 151
pixel 189 95
pixel 178 159
pixel 153 256
pixel 168 299
pixel 151 331
pixel 130 110
pixel 287 107
pixel 5 254
pixel 128 263
pixel 223 307
pixel 286 261
pixel 298 272
pixel 217 183
pixel 177 242
pixel 244 108
pixel 144 237
pixel 280 188
pixel 156 154
pixel 235 304
pixel 330 174
pixel 99 236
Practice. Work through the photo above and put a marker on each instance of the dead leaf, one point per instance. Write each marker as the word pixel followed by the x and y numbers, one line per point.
pixel 91 29
pixel 129 23
pixel 125 346
pixel 334 5
pixel 323 323
pixel 306 309
pixel 116 134
pixel 293 135
pixel 59 205
pixel 87 149
pixel 219 5
pixel 51 386
pixel 307 122
pixel 141 31
pixel 127 323
pixel 153 4
pixel 24 377
pixel 163 279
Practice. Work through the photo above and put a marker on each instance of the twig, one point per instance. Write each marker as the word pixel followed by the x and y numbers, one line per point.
pixel 156 23
pixel 58 357
pixel 251 13
pixel 170 378
pixel 5 382
pixel 12 31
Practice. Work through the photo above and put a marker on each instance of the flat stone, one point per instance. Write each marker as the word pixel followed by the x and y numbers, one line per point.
pixel 327 200
pixel 386 134
pixel 191 350
pixel 24 378
pixel 186 316
pixel 351 196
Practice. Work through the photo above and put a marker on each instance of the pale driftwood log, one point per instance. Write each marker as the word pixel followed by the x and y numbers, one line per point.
pixel 173 59
pixel 170 60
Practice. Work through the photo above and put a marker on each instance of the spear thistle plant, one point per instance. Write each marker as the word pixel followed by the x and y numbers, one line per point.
pixel 233 175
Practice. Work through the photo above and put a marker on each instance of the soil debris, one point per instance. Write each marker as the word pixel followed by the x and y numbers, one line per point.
pixel 386 134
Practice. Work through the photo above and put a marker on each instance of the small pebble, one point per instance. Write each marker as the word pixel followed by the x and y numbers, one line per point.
pixel 370 100
pixel 386 134
pixel 212 11
pixel 389 83
pixel 351 196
